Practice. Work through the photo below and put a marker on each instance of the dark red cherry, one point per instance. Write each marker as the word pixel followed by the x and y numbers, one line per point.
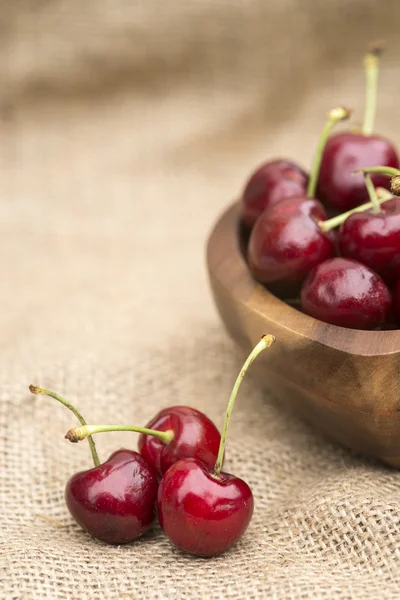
pixel 116 501
pixel 269 184
pixel 345 153
pixel 374 239
pixel 200 512
pixel 396 301
pixel 195 436
pixel 345 292
pixel 286 242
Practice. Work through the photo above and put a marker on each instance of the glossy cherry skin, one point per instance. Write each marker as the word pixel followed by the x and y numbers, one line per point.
pixel 374 239
pixel 396 301
pixel 269 184
pixel 345 153
pixel 200 513
pixel 345 292
pixel 116 501
pixel 286 242
pixel 195 436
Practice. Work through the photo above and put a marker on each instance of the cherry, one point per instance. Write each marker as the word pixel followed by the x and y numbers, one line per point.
pixel 202 510
pixel 287 241
pixel 270 183
pixel 115 501
pixel 195 436
pixel 200 513
pixel 345 292
pixel 373 237
pixel 174 433
pixel 347 152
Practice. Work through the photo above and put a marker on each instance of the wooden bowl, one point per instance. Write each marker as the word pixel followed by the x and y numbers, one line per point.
pixel 346 382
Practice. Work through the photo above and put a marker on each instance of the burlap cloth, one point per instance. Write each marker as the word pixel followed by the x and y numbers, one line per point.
pixel 126 127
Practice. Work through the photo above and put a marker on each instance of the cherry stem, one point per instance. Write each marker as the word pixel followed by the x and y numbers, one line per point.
pixel 371 64
pixel 388 171
pixel 44 392
pixel 76 434
pixel 339 219
pixel 334 116
pixel 373 196
pixel 265 342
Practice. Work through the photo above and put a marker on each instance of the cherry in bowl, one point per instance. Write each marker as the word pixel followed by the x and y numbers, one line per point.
pixel 345 292
pixel 270 183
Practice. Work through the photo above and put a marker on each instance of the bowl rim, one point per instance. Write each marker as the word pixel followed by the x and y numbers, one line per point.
pixel 223 245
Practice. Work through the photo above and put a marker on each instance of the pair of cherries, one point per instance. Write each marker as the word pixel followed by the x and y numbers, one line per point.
pixel 176 474
pixel 292 245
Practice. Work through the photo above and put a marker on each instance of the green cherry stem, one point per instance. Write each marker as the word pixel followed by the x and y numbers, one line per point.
pixel 372 193
pixel 334 116
pixel 371 64
pixel 265 342
pixel 44 392
pixel 388 172
pixel 339 219
pixel 378 196
pixel 76 434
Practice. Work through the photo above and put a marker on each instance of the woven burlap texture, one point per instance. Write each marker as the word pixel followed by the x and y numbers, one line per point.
pixel 126 128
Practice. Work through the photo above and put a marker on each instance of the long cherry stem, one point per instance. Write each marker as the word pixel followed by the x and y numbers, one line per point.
pixel 44 392
pixel 76 434
pixel 265 342
pixel 371 64
pixel 339 219
pixel 334 116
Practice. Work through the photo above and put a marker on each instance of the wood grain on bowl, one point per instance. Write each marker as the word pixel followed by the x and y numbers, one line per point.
pixel 345 382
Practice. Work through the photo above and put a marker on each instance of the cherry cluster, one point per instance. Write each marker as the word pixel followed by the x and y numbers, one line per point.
pixel 176 476
pixel 345 269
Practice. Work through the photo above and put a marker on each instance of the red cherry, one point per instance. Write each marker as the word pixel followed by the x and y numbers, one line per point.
pixel 116 501
pixel 345 292
pixel 202 510
pixel 201 513
pixel 345 153
pixel 286 242
pixel 374 239
pixel 396 301
pixel 195 436
pixel 271 182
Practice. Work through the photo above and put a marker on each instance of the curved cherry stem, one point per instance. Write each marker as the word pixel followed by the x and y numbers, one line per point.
pixel 265 342
pixel 76 434
pixel 334 116
pixel 388 172
pixel 44 392
pixel 371 64
pixel 385 171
